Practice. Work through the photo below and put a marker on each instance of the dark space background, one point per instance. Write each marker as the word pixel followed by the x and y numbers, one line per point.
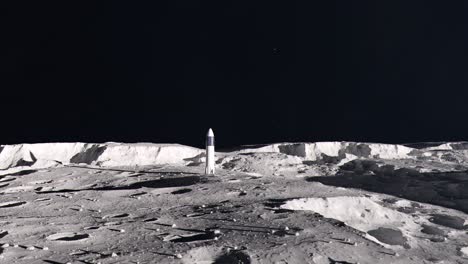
pixel 254 71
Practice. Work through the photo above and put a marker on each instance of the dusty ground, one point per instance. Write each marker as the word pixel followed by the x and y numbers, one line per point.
pixel 259 208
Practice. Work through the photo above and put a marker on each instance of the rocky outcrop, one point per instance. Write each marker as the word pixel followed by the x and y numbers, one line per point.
pixel 342 150
pixel 107 154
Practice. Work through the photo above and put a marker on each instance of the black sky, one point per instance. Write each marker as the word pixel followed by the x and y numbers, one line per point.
pixel 254 71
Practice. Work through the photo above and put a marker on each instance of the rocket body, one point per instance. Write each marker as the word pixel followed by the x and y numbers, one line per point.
pixel 210 153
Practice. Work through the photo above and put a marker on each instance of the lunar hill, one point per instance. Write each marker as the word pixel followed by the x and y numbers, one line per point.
pixel 324 202
pixel 140 154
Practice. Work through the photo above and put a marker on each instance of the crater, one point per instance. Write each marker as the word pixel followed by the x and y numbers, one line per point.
pixel 137 194
pixel 181 191
pixel 432 230
pixel 22 173
pixel 150 219
pixel 389 236
pixel 91 227
pixel 7 179
pixel 11 204
pixel 194 237
pixel 361 213
pixel 51 261
pixel 67 236
pixel 448 221
pixel 117 215
pixel 42 199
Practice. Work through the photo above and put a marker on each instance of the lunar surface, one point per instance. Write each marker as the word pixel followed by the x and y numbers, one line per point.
pixel 325 202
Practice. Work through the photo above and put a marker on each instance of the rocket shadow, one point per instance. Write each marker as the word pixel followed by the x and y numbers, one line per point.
pixel 447 189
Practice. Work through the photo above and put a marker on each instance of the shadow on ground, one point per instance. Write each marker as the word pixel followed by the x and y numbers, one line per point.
pixel 159 183
pixel 233 257
pixel 446 189
pixel 130 170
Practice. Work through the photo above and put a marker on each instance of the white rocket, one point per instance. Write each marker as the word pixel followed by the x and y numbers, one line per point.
pixel 210 153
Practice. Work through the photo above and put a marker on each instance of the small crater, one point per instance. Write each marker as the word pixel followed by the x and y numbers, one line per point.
pixel 334 261
pixel 438 239
pixel 52 261
pixel 11 204
pixel 119 215
pixel 91 227
pixel 448 221
pixel 22 173
pixel 117 230
pixel 181 191
pixel 195 237
pixel 150 220
pixel 195 214
pixel 113 223
pixel 3 233
pixel 67 236
pixel 233 257
pixel 282 211
pixel 7 179
pixel 138 194
pixel 79 253
pixel 116 216
pixel 136 175
pixel 389 236
pixel 432 230
pixel 42 199
pixel 40 182
pixel 234 180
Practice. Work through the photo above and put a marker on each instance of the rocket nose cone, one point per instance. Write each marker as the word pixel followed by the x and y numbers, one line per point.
pixel 210 133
